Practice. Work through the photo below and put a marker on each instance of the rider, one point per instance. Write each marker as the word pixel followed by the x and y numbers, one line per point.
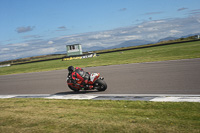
pixel 79 74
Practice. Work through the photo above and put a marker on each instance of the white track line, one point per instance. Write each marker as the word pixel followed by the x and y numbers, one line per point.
pixel 80 97
pixel 132 97
pixel 176 99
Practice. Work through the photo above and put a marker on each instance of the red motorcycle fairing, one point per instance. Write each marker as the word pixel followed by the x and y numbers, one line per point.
pixel 72 84
pixel 93 78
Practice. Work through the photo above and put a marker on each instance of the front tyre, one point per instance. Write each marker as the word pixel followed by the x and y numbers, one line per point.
pixel 100 85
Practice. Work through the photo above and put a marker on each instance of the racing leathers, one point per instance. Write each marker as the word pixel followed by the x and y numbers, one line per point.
pixel 80 75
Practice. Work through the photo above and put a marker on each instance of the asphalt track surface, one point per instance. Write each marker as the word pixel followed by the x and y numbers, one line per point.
pixel 166 77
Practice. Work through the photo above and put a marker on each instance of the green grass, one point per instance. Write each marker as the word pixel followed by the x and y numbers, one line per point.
pixel 43 115
pixel 169 52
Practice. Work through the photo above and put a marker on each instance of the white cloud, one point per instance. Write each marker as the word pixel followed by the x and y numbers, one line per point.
pixel 175 31
pixel 50 42
pixel 19 44
pixel 4 49
pixel 152 36
pixel 140 26
pixel 70 41
pixel 132 37
pixel 157 21
pixel 47 50
pixel 198 20
pixel 99 36
pixel 93 44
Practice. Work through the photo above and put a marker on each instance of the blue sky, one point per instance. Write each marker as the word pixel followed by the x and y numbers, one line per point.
pixel 49 25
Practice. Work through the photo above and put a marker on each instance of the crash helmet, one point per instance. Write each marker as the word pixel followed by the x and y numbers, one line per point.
pixel 70 68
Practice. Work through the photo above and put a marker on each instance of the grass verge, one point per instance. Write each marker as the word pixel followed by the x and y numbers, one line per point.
pixel 44 115
pixel 169 52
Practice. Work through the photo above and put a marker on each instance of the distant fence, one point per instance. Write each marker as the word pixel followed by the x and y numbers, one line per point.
pixel 79 57
pixel 35 61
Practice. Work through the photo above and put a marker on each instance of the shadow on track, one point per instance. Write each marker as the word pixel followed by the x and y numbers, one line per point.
pixel 72 92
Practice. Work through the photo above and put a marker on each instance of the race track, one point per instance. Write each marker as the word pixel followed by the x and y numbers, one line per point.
pixel 166 77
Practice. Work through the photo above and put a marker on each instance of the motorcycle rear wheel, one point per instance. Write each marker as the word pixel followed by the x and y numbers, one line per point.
pixel 100 85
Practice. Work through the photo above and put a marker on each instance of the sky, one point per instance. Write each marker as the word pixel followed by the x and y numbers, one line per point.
pixel 38 27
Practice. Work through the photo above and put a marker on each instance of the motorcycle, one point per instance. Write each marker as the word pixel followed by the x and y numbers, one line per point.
pixel 95 82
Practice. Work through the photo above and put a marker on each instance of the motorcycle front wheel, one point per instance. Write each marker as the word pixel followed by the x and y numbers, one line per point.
pixel 100 85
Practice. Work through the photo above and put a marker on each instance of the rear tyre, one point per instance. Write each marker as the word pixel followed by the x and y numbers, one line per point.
pixel 100 85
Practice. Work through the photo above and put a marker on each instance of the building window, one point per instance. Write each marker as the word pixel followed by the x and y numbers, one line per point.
pixel 72 47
